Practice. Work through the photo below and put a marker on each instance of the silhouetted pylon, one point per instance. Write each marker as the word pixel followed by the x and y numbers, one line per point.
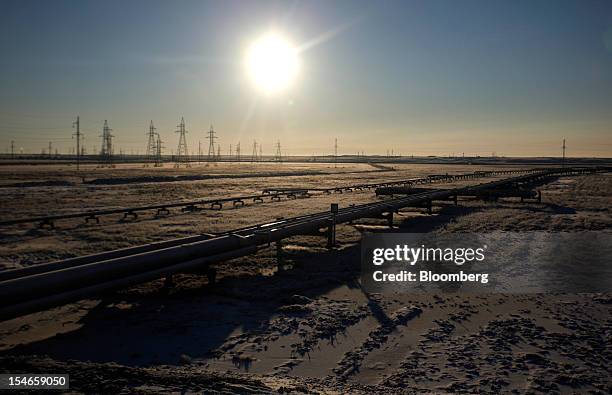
pixel 182 156
pixel 278 156
pixel 106 153
pixel 336 152
pixel 254 156
pixel 151 151
pixel 158 151
pixel 211 144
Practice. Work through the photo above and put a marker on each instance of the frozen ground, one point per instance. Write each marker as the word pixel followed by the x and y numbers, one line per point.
pixel 310 327
pixel 25 244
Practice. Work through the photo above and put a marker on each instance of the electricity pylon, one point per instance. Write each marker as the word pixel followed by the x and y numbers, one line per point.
pixel 563 160
pixel 211 144
pixel 278 156
pixel 238 151
pixel 182 156
pixel 158 151
pixel 151 146
pixel 77 124
pixel 254 156
pixel 106 153
pixel 335 152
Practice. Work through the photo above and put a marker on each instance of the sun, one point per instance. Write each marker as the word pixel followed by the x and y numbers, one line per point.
pixel 272 63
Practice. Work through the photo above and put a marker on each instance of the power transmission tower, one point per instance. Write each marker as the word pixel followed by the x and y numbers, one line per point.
pixel 278 156
pixel 211 143
pixel 254 157
pixel 158 151
pixel 77 124
pixel 151 145
pixel 218 152
pixel 238 151
pixel 335 152
pixel 181 151
pixel 230 152
pixel 563 160
pixel 12 149
pixel 50 152
pixel 106 153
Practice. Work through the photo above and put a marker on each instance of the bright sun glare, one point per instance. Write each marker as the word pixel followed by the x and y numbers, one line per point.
pixel 272 63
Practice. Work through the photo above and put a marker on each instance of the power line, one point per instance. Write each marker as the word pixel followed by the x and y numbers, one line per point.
pixel 32 115
pixel 33 128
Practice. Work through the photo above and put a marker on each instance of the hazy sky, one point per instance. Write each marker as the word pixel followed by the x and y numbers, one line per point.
pixel 418 77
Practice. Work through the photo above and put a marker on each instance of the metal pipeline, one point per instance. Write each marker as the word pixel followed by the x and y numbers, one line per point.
pixel 31 306
pixel 27 290
pixel 71 262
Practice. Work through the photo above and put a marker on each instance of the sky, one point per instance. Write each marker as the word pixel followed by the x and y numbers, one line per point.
pixel 417 77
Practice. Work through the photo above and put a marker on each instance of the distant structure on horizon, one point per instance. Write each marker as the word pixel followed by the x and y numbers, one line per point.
pixel 254 156
pixel 78 135
pixel 211 144
pixel 106 152
pixel 182 155
pixel 158 151
pixel 563 160
pixel 278 157
pixel 151 151
pixel 335 152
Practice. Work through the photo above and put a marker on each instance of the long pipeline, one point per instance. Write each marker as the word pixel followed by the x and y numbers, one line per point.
pixel 71 283
pixel 17 290
pixel 273 193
